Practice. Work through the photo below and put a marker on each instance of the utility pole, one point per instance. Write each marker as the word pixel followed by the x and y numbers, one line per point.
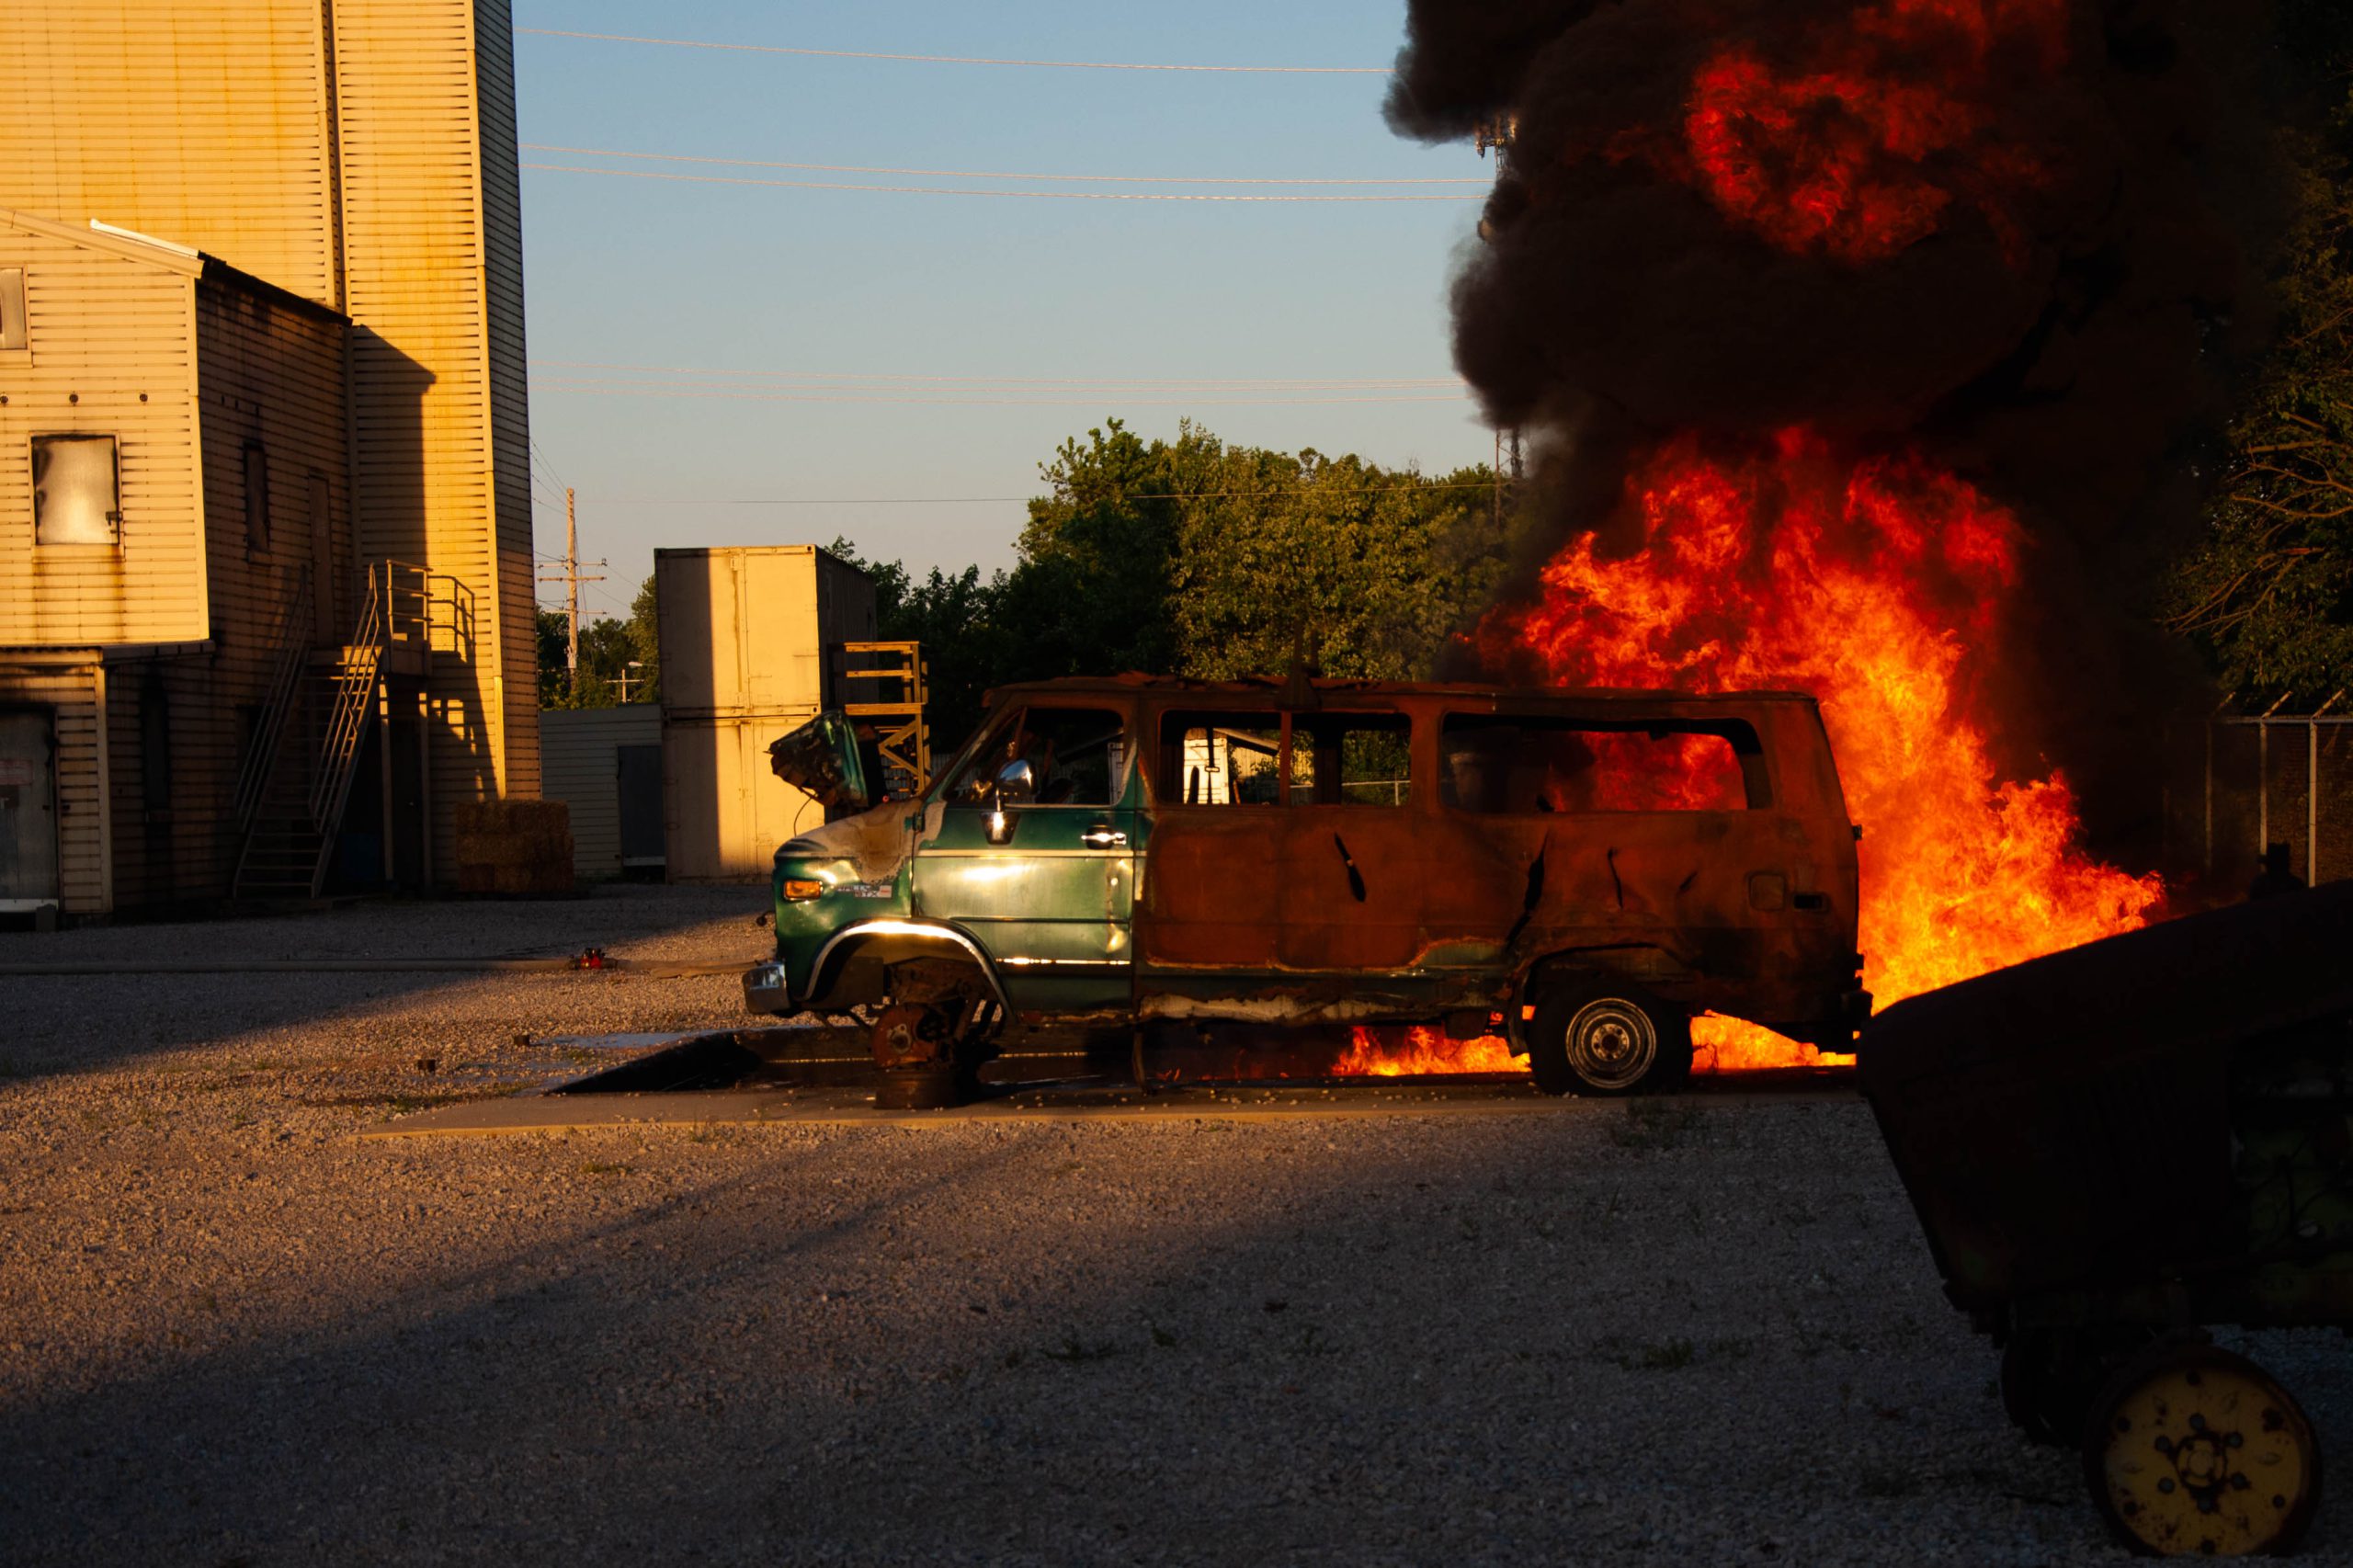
pixel 571 579
pixel 1498 134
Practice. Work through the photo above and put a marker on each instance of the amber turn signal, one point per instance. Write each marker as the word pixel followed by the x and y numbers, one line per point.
pixel 796 890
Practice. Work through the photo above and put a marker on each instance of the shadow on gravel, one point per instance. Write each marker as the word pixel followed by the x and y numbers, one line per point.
pixel 73 1023
pixel 1523 1342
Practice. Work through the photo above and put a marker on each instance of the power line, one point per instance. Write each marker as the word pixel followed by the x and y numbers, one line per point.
pixel 995 174
pixel 963 59
pixel 953 190
pixel 1285 383
pixel 542 461
pixel 1429 487
pixel 599 389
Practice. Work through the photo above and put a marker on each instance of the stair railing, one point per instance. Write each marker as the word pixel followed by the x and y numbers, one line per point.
pixel 357 671
pixel 277 702
pixel 426 608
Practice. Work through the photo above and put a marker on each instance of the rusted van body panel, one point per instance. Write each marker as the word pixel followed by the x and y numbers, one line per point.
pixel 1252 878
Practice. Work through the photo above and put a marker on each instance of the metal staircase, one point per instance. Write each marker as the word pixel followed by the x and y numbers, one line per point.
pixel 306 745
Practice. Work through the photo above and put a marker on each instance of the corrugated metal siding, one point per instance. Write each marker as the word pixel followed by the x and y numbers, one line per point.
pixel 76 694
pixel 340 151
pixel 201 121
pixel 509 369
pixel 744 628
pixel 745 635
pixel 428 411
pixel 113 344
pixel 271 372
pixel 723 809
pixel 580 764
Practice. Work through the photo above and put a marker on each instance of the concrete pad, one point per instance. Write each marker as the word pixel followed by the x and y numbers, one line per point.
pixel 1058 1100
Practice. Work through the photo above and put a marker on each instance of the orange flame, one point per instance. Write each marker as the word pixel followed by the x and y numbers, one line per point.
pixel 1867 583
pixel 1419 1051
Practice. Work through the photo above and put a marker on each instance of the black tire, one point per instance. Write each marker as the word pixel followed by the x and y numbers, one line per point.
pixel 1606 1039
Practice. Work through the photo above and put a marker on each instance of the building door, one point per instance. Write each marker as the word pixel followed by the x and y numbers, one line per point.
pixel 27 808
pixel 640 786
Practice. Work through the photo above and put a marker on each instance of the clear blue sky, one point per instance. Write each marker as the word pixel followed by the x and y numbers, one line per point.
pixel 773 290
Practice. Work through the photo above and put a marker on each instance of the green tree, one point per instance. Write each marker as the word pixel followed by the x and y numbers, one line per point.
pixel 2269 591
pixel 608 648
pixel 1193 557
pixel 644 626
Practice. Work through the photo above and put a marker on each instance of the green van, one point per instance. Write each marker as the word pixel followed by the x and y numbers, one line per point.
pixel 1594 867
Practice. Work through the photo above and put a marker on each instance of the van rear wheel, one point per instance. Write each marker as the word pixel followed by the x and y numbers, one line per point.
pixel 1602 1039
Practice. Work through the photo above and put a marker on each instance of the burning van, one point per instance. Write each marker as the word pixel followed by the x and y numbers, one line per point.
pixel 1582 871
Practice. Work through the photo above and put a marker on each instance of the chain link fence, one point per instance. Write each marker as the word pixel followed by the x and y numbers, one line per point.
pixel 2234 786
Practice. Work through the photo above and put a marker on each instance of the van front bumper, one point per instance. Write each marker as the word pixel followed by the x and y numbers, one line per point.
pixel 766 989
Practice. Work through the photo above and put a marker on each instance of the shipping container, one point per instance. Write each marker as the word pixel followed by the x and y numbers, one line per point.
pixel 750 641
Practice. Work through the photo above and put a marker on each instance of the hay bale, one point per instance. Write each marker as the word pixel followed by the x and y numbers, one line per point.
pixel 513 847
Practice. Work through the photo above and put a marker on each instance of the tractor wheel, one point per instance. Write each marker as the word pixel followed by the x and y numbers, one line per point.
pixel 2192 1450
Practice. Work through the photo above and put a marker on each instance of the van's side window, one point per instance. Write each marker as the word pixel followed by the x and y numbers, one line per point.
pixel 1079 757
pixel 1351 759
pixel 1504 763
pixel 1220 759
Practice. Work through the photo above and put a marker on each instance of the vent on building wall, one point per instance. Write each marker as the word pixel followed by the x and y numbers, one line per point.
pixel 14 334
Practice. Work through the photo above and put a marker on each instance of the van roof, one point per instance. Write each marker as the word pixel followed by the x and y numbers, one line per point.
pixel 1260 687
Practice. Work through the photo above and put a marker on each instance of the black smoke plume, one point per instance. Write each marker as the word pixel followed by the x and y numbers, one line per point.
pixel 2060 339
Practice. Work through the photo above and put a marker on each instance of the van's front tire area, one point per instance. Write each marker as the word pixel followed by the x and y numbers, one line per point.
pixel 1605 1039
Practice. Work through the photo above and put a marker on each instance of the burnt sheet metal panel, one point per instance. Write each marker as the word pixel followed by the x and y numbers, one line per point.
pixel 2065 1124
pixel 580 764
pixel 1450 900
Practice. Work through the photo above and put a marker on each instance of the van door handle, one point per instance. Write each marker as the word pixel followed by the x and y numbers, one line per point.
pixel 1102 838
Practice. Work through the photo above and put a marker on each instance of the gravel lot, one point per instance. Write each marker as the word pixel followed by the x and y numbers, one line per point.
pixel 231 1332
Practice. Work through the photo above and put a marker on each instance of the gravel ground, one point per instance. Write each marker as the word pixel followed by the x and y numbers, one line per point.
pixel 231 1332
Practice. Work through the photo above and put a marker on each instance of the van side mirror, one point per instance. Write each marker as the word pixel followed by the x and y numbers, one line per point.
pixel 1017 784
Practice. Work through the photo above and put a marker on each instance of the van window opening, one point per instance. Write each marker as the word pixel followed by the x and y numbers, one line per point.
pixel 1526 765
pixel 1079 757
pixel 1220 759
pixel 1351 759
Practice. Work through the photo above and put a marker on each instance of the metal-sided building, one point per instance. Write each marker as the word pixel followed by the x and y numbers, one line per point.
pixel 357 156
pixel 606 765
pixel 748 637
pixel 173 501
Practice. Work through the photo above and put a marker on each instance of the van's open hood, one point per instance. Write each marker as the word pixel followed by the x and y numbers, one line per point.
pixel 822 758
